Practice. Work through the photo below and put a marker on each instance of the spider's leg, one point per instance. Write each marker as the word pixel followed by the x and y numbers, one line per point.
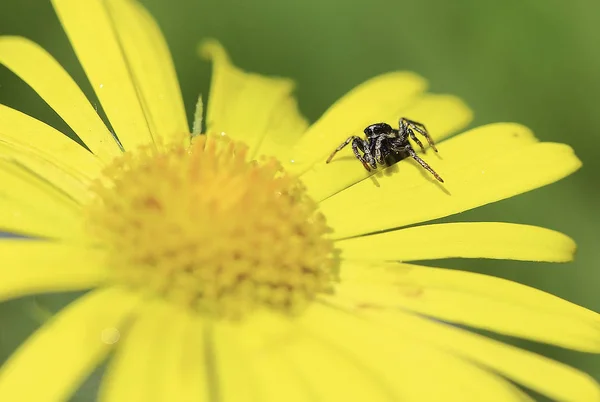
pixel 421 162
pixel 358 144
pixel 401 134
pixel 418 127
pixel 414 123
pixel 342 145
pixel 415 139
pixel 378 156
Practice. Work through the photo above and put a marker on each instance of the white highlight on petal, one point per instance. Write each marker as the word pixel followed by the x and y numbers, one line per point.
pixel 110 336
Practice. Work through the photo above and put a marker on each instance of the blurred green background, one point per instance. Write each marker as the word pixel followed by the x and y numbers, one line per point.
pixel 536 62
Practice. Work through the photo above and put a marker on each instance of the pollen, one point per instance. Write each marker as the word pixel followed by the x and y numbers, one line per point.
pixel 205 227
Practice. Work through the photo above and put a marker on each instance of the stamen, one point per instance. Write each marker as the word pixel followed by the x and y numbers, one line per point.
pixel 206 228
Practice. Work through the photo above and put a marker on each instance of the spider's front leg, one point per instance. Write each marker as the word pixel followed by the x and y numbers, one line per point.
pixel 341 146
pixel 358 144
pixel 408 126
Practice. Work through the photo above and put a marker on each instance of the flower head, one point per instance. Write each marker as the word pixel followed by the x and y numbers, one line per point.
pixel 237 265
pixel 202 227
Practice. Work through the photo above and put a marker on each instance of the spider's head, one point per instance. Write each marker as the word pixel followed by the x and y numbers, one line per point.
pixel 375 130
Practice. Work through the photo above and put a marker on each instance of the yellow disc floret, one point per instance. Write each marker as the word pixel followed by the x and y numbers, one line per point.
pixel 205 227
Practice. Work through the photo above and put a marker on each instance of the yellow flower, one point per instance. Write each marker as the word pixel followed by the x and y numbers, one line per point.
pixel 218 274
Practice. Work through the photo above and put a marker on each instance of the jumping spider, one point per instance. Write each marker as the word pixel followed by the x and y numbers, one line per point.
pixel 385 145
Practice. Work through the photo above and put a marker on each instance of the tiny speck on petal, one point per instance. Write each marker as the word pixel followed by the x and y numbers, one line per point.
pixel 110 336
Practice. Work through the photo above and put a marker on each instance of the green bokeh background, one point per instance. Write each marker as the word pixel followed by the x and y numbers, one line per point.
pixel 536 62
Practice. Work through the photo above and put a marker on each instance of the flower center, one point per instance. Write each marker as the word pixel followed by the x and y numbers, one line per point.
pixel 204 227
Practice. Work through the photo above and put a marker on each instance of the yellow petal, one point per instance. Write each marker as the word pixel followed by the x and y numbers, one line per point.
pixel 443 114
pixel 259 365
pixel 472 299
pixel 184 370
pixel 76 188
pixel 465 240
pixel 249 352
pixel 91 30
pixel 151 66
pixel 158 362
pixel 24 185
pixel 405 194
pixel 38 69
pixel 550 378
pixel 372 101
pixel 26 134
pixel 51 364
pixel 411 369
pixel 284 130
pixel 30 266
pixel 324 180
pixel 340 375
pixel 24 192
pixel 242 105
pixel 236 379
pixel 24 220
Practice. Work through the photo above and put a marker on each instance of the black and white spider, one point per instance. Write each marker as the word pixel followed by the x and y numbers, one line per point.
pixel 385 145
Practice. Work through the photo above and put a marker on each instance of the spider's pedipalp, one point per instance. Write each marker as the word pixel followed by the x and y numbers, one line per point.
pixel 367 157
pixel 379 144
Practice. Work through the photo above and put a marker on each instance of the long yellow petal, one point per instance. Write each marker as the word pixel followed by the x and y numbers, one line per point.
pixel 236 380
pixel 184 369
pixel 24 220
pixel 23 192
pixel 31 136
pixel 472 299
pixel 43 73
pixel 548 377
pixel 242 105
pixel 407 367
pixel 284 130
pixel 249 364
pixel 264 365
pixel 372 101
pixel 444 115
pixel 340 375
pixel 51 364
pixel 91 30
pixel 24 185
pixel 158 361
pixel 465 240
pixel 31 266
pixel 128 375
pixel 76 188
pixel 405 194
pixel 387 273
pixel 151 66
pixel 325 180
